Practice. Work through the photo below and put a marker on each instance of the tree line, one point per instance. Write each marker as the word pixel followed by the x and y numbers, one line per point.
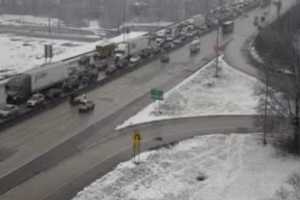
pixel 278 45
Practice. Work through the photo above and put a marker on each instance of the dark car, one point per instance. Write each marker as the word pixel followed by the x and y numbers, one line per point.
pixel 54 93
pixel 146 53
pixel 165 58
pixel 111 70
pixel 86 107
pixel 168 45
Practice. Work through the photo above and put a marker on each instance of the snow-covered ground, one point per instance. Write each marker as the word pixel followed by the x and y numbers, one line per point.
pixel 20 20
pixel 19 53
pixel 234 167
pixel 203 94
pixel 29 20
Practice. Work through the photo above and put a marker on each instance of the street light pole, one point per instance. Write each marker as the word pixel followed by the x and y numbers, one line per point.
pixel 218 41
pixel 266 106
pixel 217 49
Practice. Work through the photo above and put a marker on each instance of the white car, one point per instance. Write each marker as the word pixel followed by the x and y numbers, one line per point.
pixel 35 100
pixel 135 59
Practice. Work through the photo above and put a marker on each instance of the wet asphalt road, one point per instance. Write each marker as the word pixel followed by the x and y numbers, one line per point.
pixel 115 103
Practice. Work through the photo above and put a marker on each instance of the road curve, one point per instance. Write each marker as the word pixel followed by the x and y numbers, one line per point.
pixel 57 184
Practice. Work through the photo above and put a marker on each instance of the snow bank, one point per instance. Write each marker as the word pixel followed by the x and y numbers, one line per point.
pixel 235 167
pixel 203 94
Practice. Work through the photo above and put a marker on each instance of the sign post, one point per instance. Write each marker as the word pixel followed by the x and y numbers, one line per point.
pixel 136 145
pixel 48 51
pixel 157 95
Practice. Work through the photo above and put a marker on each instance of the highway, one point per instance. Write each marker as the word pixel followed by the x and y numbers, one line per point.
pixel 26 141
pixel 101 143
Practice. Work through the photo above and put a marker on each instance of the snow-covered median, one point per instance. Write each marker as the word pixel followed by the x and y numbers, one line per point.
pixel 204 94
pixel 234 167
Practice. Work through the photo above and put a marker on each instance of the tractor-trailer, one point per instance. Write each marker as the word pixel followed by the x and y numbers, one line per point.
pixel 131 47
pixel 22 86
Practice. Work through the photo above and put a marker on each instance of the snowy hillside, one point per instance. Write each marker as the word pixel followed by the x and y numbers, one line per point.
pixel 203 94
pixel 215 167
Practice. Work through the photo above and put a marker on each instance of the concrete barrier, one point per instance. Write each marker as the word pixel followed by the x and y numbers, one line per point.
pixel 170 132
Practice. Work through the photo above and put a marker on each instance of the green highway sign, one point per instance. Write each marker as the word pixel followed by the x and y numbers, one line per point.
pixel 157 94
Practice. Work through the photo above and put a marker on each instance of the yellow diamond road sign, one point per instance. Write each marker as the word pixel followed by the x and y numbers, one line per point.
pixel 136 137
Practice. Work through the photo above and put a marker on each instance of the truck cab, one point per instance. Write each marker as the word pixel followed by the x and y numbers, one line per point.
pixel 121 51
pixel 18 89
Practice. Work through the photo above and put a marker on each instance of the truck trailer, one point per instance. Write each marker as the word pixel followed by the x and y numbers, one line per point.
pixel 22 86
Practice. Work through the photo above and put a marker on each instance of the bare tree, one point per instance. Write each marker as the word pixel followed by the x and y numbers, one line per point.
pixel 276 44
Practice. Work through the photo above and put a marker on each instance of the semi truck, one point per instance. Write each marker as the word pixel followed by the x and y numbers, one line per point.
pixel 131 47
pixel 198 21
pixel 20 88
pixel 105 50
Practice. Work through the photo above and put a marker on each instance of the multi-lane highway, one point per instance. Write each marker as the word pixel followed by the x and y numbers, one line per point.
pixel 29 139
pixel 100 143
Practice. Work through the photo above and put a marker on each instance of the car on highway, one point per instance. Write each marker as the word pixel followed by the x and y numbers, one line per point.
pixel 135 59
pixel 111 70
pixel 159 41
pixel 169 38
pixel 36 100
pixel 156 50
pixel 54 93
pixel 195 46
pixel 178 41
pixel 77 100
pixel 86 107
pixel 8 110
pixel 168 45
pixel 146 53
pixel 165 58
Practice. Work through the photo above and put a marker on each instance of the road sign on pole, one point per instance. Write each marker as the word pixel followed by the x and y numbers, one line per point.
pixel 48 51
pixel 157 94
pixel 136 144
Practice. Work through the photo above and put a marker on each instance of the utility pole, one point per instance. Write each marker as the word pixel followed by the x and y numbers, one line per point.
pixel 207 7
pixel 124 20
pixel 49 24
pixel 266 105
pixel 217 48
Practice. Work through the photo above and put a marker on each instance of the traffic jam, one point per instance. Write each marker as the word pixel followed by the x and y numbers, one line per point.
pixel 41 88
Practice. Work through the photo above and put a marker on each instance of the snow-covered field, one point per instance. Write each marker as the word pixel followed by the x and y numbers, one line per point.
pixel 203 94
pixel 29 20
pixel 234 167
pixel 19 53
pixel 19 20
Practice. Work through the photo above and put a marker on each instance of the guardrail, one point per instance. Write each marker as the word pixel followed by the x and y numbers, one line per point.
pixel 191 125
